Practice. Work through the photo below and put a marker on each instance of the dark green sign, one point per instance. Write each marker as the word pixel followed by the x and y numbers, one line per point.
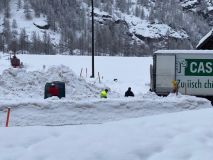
pixel 199 67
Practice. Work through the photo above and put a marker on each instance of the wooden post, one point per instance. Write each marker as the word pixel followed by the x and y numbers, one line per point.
pixel 99 78
pixel 81 72
pixel 86 72
pixel 8 117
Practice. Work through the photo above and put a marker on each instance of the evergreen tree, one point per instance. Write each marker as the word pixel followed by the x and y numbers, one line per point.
pixel 13 45
pixel 19 4
pixel 35 47
pixel 72 19
pixel 14 24
pixel 7 9
pixel 47 45
pixel 23 40
pixel 7 31
pixel 27 11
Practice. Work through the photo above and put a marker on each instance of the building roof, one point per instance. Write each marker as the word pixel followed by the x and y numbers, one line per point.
pixel 206 42
pixel 184 52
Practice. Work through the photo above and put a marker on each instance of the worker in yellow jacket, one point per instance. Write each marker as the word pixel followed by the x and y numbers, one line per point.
pixel 104 93
pixel 174 86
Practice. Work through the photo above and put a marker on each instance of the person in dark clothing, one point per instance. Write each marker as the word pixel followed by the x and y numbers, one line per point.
pixel 129 93
pixel 53 90
pixel 15 62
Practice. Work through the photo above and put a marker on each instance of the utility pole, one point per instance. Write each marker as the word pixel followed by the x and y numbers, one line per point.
pixel 93 43
pixel 3 39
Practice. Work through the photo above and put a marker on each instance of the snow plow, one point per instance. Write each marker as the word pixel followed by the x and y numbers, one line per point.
pixel 15 62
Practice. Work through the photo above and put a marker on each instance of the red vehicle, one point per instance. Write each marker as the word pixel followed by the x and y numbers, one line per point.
pixel 53 90
pixel 15 62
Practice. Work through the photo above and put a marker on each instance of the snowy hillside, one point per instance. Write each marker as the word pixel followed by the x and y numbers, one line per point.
pixel 204 8
pixel 18 15
pixel 140 28
pixel 124 28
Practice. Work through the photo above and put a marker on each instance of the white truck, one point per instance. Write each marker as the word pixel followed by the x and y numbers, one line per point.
pixel 192 69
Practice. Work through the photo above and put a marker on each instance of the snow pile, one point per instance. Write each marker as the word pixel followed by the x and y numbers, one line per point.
pixel 19 83
pixel 53 111
pixel 179 136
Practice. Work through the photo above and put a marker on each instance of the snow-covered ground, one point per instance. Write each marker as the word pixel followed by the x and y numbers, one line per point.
pixel 176 136
pixel 148 126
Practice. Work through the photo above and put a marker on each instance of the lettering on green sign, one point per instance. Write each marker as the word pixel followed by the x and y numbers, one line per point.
pixel 190 84
pixel 199 67
pixel 195 84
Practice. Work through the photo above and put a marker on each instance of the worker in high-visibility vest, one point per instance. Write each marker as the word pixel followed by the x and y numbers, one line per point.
pixel 174 86
pixel 104 93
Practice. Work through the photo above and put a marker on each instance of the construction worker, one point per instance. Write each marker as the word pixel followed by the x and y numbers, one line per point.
pixel 104 93
pixel 129 93
pixel 174 86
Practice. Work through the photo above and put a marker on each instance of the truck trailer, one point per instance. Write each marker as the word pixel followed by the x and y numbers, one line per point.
pixel 191 69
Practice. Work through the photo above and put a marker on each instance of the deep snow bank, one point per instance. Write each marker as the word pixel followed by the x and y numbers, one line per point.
pixel 54 111
pixel 19 83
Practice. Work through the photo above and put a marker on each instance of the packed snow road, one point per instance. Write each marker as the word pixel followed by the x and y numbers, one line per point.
pixel 54 111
